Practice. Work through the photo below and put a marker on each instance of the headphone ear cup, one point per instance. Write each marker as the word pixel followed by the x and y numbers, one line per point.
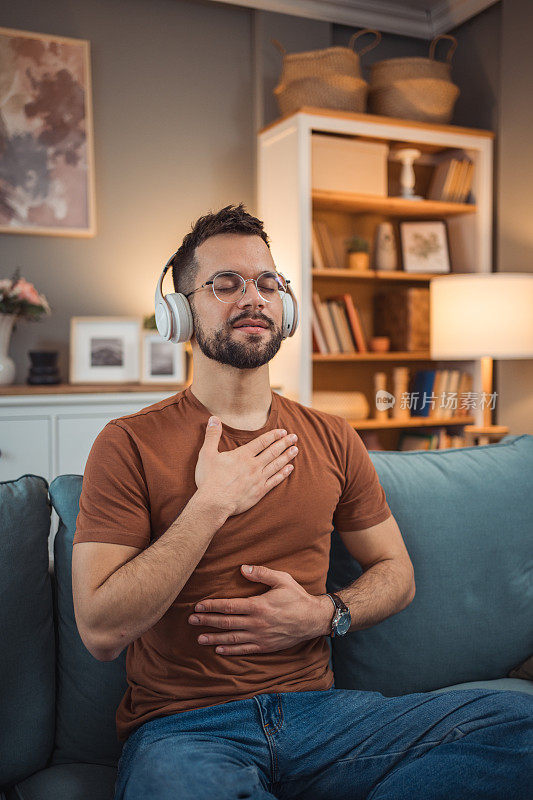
pixel 289 317
pixel 174 320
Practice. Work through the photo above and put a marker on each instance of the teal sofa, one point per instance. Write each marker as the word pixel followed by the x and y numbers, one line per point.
pixel 466 516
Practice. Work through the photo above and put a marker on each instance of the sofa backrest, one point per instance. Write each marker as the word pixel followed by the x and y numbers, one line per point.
pixel 88 691
pixel 466 517
pixel 27 652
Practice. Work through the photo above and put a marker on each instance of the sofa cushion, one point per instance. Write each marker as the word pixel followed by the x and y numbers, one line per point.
pixel 68 782
pixel 503 684
pixel 465 516
pixel 27 655
pixel 88 691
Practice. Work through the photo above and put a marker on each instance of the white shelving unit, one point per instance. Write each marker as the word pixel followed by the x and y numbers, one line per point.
pixel 286 203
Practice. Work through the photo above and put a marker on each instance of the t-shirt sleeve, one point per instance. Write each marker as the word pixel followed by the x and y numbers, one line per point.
pixel 363 502
pixel 114 502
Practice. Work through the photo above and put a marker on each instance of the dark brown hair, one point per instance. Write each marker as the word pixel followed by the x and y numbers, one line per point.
pixel 230 219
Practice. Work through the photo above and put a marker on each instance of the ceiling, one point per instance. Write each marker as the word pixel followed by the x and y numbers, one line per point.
pixel 423 19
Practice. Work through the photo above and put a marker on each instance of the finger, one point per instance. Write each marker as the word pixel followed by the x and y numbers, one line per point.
pixel 235 605
pixel 220 621
pixel 213 431
pixel 279 476
pixel 276 449
pixel 272 577
pixel 238 649
pixel 279 462
pixel 265 440
pixel 235 637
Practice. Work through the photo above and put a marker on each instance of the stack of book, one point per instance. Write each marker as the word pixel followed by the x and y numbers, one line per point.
pixel 431 439
pixel 328 252
pixel 441 384
pixel 336 325
pixel 452 180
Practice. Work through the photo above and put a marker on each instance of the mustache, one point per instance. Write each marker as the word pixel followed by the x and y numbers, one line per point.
pixel 254 319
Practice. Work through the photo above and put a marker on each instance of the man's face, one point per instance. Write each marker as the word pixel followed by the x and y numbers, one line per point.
pixel 215 322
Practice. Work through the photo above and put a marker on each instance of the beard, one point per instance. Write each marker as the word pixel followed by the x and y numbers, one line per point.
pixel 248 352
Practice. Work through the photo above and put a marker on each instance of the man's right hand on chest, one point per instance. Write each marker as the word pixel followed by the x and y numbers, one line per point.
pixel 239 478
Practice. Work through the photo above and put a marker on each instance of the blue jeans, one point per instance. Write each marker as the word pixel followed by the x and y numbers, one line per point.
pixel 336 744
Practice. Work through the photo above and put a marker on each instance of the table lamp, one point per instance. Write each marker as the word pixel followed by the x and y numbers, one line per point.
pixel 482 315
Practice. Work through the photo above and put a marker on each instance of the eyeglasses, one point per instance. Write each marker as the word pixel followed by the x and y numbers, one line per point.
pixel 228 286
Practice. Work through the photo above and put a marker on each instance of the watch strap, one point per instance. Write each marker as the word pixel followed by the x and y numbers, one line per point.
pixel 338 602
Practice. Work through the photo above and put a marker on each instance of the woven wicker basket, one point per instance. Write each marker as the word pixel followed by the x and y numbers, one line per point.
pixel 421 99
pixel 339 92
pixel 327 78
pixel 414 88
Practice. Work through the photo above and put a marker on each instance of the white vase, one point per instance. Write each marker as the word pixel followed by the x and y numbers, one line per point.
pixel 7 365
pixel 385 255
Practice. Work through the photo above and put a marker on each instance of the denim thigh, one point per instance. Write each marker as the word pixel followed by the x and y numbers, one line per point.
pixel 218 752
pixel 348 744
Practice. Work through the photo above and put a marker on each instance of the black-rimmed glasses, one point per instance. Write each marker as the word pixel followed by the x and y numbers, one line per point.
pixel 228 286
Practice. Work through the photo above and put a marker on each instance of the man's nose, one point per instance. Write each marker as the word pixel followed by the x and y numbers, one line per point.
pixel 251 295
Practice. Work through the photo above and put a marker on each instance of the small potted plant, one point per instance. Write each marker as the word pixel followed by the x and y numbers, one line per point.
pixel 357 250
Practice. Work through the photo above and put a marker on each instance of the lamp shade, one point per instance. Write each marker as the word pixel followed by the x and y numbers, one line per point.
pixel 482 314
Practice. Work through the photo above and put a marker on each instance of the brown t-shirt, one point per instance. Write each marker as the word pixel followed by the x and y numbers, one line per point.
pixel 138 478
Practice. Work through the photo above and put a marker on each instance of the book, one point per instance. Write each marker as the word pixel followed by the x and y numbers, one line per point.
pixel 451 388
pixel 326 324
pixel 319 340
pixel 343 327
pixel 332 309
pixel 354 321
pixel 423 384
pixel 326 244
pixel 318 260
pixel 450 180
pixel 437 181
pixel 439 389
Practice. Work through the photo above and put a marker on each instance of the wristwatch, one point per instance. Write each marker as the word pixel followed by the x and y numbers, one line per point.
pixel 340 624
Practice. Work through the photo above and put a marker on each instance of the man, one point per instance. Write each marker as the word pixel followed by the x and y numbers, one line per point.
pixel 202 545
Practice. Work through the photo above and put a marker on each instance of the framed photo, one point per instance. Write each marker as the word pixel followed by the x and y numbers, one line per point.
pixel 162 361
pixel 425 245
pixel 46 158
pixel 105 349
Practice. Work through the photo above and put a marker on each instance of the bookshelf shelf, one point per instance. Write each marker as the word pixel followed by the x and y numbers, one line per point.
pixel 376 275
pixel 390 356
pixel 389 206
pixel 296 218
pixel 412 422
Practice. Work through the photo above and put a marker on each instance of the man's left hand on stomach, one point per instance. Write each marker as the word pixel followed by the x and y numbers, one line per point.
pixel 282 617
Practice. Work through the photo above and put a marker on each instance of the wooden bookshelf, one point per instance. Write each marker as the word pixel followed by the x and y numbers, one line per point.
pixel 388 206
pixel 285 150
pixel 412 422
pixel 375 275
pixel 389 356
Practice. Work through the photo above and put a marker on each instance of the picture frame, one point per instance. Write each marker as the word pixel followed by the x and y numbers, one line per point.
pixel 162 361
pixel 425 245
pixel 51 191
pixel 105 349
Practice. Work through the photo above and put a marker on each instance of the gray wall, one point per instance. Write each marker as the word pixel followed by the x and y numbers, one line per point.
pixel 180 88
pixel 172 88
pixel 515 178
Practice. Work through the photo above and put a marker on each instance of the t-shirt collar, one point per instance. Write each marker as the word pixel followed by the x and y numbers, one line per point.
pixel 239 433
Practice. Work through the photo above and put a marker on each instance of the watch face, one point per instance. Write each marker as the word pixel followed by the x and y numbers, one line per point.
pixel 343 624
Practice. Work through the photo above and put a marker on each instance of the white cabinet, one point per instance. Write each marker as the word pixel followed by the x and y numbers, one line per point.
pixel 74 436
pixel 24 446
pixel 52 434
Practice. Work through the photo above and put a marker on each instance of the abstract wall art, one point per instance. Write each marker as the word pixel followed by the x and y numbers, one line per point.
pixel 46 136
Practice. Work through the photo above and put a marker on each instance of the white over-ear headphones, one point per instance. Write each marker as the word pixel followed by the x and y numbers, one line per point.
pixel 173 316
